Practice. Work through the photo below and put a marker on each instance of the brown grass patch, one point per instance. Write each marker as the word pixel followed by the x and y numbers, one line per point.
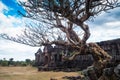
pixel 30 73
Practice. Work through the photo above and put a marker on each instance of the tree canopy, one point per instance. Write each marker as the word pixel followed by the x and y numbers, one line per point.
pixel 62 18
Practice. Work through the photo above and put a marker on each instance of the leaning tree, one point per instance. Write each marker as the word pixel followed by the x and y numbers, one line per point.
pixel 66 19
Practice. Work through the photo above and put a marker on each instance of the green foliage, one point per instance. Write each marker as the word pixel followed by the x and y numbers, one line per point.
pixel 28 61
pixel 11 62
pixel 3 62
pixel 23 63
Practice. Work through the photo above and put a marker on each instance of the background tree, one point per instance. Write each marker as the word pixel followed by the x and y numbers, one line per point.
pixel 4 62
pixel 28 61
pixel 11 62
pixel 66 17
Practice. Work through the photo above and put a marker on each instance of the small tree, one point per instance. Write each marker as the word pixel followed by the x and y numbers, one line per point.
pixel 28 61
pixel 11 62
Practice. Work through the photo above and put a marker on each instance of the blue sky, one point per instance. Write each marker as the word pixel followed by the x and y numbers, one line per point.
pixel 12 23
pixel 13 6
pixel 105 27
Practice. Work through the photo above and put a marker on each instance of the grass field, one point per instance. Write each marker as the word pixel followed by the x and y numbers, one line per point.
pixel 31 73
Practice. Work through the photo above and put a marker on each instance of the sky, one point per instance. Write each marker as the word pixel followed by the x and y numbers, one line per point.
pixel 104 27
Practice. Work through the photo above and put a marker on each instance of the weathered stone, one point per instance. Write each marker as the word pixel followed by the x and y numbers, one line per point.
pixel 112 47
pixel 39 58
pixel 52 56
pixel 72 77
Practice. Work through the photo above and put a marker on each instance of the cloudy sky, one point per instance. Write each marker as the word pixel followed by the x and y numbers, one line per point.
pixel 12 23
pixel 105 27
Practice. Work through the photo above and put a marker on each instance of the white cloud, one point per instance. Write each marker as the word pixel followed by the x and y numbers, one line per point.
pixel 2 7
pixel 12 26
pixel 22 0
pixel 106 26
pixel 106 31
pixel 112 24
pixel 9 24
pixel 15 50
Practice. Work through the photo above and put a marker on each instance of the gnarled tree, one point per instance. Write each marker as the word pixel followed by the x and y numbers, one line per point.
pixel 66 16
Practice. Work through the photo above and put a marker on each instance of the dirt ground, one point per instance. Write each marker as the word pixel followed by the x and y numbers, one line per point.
pixel 31 73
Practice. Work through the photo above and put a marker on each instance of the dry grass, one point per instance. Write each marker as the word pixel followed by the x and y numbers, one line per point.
pixel 30 73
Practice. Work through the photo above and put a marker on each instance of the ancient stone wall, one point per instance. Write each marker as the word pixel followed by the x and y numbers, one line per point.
pixel 81 61
pixel 112 47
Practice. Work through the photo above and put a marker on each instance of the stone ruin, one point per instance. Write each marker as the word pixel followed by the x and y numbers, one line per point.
pixel 51 57
pixel 112 47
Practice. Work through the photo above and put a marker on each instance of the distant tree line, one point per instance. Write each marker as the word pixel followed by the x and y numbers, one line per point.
pixel 11 62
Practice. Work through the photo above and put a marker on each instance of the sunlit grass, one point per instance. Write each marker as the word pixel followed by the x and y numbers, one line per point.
pixel 31 73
